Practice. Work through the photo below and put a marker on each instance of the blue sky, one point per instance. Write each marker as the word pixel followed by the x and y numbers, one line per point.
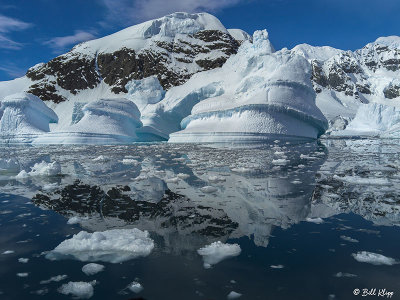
pixel 36 31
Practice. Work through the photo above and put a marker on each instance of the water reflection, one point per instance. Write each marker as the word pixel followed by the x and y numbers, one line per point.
pixel 189 195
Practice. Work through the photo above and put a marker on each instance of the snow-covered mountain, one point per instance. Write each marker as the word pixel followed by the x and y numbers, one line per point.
pixel 345 80
pixel 188 73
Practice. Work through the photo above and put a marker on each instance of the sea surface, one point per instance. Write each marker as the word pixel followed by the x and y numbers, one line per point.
pixel 302 215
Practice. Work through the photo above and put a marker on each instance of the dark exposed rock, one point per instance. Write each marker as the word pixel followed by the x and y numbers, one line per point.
pixel 348 64
pixel 46 92
pixel 318 75
pixel 75 71
pixel 339 81
pixel 392 64
pixel 118 68
pixel 211 64
pixel 392 91
pixel 364 89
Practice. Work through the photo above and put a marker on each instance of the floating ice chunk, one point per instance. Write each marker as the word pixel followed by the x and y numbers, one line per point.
pixel 183 176
pixel 23 260
pixel 218 251
pixel 374 258
pixel 172 180
pixel 348 239
pixel 57 278
pixel 241 170
pixel 277 266
pixel 341 274
pixel 115 246
pixel 92 268
pixel 216 178
pixel 41 292
pixel 233 295
pixel 128 161
pixel 80 289
pixel 8 252
pixel 208 189
pixel 363 181
pixel 73 220
pixel 23 274
pixel 280 161
pixel 315 220
pixel 41 169
pixel 135 287
pixel 100 158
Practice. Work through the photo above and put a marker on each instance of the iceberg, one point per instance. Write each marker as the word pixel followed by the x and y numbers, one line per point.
pixel 104 121
pixel 263 95
pixel 23 117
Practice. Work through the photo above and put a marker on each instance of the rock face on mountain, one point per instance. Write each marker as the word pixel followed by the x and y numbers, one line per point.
pixel 344 80
pixel 172 48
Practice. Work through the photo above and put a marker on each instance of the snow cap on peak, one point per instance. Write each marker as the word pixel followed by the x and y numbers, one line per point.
pixel 183 23
pixel 392 41
pixel 240 35
pixel 261 42
pixel 321 53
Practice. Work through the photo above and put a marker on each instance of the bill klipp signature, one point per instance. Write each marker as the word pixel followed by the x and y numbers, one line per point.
pixel 373 292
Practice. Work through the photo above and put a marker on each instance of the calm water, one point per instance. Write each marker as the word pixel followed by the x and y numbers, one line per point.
pixel 302 209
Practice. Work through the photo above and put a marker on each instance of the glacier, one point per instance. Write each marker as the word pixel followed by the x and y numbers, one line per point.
pixel 374 119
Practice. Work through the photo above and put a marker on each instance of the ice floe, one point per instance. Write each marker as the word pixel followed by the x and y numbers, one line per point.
pixel 135 287
pixel 218 251
pixel 233 295
pixel 115 246
pixel 41 169
pixel 374 258
pixel 92 268
pixel 79 289
pixel 56 278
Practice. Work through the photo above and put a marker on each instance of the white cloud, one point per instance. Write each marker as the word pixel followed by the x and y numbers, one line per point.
pixel 61 42
pixel 7 25
pixel 131 11
pixel 7 43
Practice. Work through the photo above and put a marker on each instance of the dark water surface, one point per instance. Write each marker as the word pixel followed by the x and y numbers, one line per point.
pixel 298 212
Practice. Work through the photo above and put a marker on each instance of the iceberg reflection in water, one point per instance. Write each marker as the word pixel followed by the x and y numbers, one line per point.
pixel 293 209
